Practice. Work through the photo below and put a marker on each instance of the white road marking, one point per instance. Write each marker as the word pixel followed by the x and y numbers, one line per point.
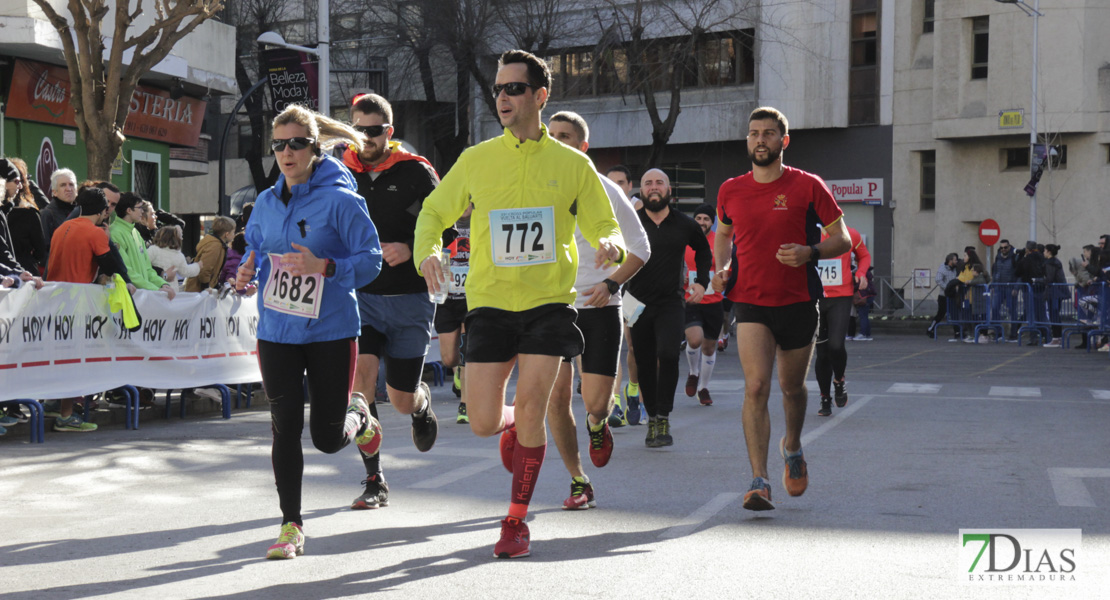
pixel 1101 394
pixel 726 385
pixel 1021 392
pixel 914 388
pixel 1067 484
pixel 700 516
pixel 457 474
pixel 839 416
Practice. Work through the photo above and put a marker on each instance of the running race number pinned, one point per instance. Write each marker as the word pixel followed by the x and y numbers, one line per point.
pixel 298 295
pixel 522 236
pixel 457 285
pixel 830 271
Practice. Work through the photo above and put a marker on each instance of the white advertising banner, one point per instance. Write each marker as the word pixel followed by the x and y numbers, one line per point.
pixel 62 341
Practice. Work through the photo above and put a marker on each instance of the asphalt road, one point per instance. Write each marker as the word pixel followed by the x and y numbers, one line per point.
pixel 937 437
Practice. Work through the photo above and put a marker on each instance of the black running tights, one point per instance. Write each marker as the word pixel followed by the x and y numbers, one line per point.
pixel 328 369
pixel 832 356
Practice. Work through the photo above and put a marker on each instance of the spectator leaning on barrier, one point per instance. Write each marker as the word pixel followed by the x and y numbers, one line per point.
pixel 1004 271
pixel 24 223
pixel 165 253
pixel 945 275
pixel 235 251
pixel 63 189
pixel 1056 290
pixel 212 250
pixel 78 248
pixel 131 247
pixel 12 274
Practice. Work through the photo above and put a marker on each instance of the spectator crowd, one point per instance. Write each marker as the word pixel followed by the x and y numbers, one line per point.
pixel 90 232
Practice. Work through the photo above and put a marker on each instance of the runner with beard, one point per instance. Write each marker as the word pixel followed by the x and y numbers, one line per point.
pixel 769 217
pixel 394 309
pixel 655 308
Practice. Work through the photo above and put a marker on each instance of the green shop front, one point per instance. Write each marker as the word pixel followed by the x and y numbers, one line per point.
pixel 39 127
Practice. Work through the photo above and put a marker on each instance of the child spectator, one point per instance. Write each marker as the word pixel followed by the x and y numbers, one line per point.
pixel 165 254
pixel 234 255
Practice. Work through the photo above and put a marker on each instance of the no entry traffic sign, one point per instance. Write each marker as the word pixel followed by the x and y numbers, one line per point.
pixel 989 232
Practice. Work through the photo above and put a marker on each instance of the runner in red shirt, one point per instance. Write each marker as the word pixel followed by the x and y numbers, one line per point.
pixel 703 320
pixel 832 358
pixel 768 227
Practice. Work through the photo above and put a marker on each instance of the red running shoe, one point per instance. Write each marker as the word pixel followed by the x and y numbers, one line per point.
pixel 508 447
pixel 515 539
pixel 601 445
pixel 704 398
pixel 691 385
pixel 581 496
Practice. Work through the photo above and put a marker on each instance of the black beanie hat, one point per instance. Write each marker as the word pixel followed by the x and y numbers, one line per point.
pixel 706 209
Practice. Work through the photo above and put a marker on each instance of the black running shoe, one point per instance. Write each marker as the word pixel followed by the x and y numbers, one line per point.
pixel 375 496
pixel 663 433
pixel 840 393
pixel 651 441
pixel 425 428
pixel 826 407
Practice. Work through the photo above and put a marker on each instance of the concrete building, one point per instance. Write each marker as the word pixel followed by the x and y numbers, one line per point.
pixel 962 115
pixel 165 149
pixel 828 65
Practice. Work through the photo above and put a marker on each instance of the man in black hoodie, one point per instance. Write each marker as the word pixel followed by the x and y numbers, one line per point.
pixel 395 309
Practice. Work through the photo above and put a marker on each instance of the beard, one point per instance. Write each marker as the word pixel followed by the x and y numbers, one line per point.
pixel 371 152
pixel 772 156
pixel 656 202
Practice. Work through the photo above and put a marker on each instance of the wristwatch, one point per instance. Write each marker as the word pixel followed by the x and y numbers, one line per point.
pixel 329 268
pixel 814 254
pixel 613 286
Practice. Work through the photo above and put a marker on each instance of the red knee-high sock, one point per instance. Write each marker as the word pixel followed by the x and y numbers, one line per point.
pixel 526 470
pixel 508 413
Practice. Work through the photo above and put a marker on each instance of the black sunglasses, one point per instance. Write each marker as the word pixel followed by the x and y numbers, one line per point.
pixel 296 143
pixel 372 130
pixel 515 88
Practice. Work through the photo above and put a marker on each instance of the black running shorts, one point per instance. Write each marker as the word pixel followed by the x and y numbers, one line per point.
pixel 710 317
pixel 450 315
pixel 793 326
pixel 602 329
pixel 495 335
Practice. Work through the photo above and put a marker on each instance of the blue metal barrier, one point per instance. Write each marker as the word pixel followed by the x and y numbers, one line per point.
pixel 37 422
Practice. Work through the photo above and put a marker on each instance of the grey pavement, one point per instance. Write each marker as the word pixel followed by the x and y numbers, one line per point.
pixel 936 437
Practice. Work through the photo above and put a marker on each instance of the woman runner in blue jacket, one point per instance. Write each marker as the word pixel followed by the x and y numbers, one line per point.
pixel 311 243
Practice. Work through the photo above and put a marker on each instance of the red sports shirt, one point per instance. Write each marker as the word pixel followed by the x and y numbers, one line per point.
pixel 836 273
pixel 763 217
pixel 710 296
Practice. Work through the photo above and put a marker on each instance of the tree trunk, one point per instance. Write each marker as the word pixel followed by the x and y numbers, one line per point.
pixel 254 108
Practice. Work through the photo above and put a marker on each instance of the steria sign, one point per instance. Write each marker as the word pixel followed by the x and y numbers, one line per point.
pixel 41 92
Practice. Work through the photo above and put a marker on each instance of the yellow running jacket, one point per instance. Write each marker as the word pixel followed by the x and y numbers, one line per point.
pixel 519 190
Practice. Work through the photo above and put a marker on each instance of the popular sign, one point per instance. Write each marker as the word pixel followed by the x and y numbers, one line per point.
pixel 865 191
pixel 42 93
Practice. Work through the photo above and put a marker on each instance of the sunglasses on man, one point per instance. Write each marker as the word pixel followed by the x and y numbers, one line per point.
pixel 514 88
pixel 372 130
pixel 296 143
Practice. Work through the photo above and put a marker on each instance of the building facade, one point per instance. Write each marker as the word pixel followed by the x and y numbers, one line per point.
pixel 165 147
pixel 962 116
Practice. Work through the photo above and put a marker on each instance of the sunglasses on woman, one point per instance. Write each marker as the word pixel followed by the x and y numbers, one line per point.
pixel 515 88
pixel 372 130
pixel 296 143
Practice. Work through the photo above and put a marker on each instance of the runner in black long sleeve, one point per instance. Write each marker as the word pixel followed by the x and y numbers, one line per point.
pixel 657 330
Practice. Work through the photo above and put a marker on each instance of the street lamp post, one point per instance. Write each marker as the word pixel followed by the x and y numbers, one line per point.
pixel 322 52
pixel 1032 11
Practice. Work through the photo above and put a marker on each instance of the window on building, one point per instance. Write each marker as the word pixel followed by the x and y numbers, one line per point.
pixel 927 19
pixel 719 59
pixel 863 76
pixel 687 183
pixel 928 180
pixel 980 46
pixel 1017 158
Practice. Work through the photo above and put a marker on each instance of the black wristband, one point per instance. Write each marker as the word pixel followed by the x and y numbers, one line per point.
pixel 814 254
